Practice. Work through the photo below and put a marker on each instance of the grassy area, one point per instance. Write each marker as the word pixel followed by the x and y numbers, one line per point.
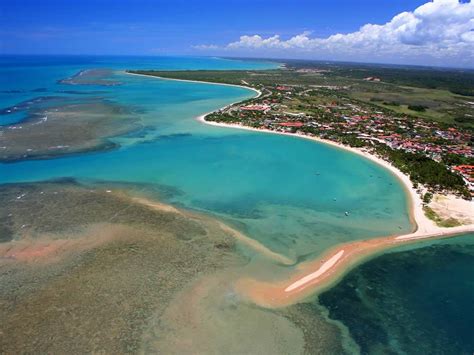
pixel 457 81
pixel 447 223
pixel 439 105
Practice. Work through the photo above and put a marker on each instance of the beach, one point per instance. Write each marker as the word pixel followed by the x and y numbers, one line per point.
pixel 423 224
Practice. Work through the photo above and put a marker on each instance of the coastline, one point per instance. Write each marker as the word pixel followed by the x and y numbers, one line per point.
pixel 422 224
pixel 317 275
pixel 200 82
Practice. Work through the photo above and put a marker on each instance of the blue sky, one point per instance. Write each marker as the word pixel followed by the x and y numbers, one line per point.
pixel 200 27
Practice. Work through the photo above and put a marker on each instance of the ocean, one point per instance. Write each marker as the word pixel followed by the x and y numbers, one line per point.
pixel 289 194
pixel 268 186
pixel 416 299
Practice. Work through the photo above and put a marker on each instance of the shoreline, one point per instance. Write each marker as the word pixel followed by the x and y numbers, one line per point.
pixel 317 275
pixel 313 277
pixel 422 224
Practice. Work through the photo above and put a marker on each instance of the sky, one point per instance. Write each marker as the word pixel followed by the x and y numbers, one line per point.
pixel 439 32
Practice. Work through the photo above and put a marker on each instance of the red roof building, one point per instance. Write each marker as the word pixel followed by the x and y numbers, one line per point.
pixel 291 124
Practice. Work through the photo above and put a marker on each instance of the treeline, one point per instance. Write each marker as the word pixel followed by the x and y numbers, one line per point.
pixel 221 117
pixel 425 171
pixel 253 77
pixel 457 81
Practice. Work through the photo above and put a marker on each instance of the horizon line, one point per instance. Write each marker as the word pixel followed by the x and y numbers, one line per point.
pixel 258 58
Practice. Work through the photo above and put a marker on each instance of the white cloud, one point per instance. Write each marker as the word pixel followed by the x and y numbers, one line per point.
pixel 205 46
pixel 440 32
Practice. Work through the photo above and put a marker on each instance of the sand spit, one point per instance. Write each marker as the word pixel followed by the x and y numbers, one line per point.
pixel 255 245
pixel 315 276
pixel 156 205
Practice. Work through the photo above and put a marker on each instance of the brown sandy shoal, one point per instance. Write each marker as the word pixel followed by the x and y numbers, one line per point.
pixel 208 316
pixel 98 270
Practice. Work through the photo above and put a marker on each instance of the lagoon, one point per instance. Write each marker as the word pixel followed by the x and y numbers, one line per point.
pixel 288 193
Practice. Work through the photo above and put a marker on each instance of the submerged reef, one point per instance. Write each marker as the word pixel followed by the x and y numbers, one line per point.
pixel 92 77
pixel 97 262
pixel 56 126
pixel 94 268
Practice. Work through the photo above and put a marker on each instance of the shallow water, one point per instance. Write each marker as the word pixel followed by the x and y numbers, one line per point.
pixel 288 193
pixel 82 269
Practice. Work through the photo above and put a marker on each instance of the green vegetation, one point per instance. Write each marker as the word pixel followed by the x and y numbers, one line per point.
pixel 457 81
pixel 447 223
pixel 418 108
pixel 455 159
pixel 427 197
pixel 425 171
pixel 439 105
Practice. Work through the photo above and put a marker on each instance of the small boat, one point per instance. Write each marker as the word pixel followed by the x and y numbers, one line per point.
pixel 334 199
pixel 346 213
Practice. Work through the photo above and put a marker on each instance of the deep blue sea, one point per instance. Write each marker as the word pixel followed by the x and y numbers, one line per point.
pixel 290 194
pixel 413 301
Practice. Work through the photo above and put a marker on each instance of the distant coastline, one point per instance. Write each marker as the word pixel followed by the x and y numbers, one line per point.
pixel 200 82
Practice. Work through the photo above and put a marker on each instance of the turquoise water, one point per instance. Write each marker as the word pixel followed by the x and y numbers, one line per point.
pixel 265 185
pixel 288 193
pixel 410 302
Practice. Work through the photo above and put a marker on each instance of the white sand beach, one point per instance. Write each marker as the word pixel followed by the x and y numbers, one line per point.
pixel 423 224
